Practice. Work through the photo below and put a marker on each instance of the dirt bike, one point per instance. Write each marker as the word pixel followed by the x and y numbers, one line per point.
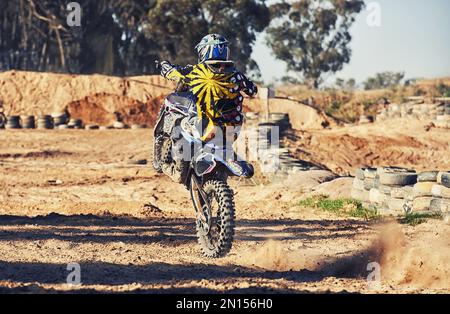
pixel 204 173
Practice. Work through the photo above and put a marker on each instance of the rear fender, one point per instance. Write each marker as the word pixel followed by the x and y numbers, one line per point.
pixel 160 121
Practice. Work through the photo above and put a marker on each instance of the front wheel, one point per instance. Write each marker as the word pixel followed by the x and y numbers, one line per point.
pixel 216 237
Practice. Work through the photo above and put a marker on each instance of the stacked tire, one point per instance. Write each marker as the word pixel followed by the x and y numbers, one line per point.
pixel 384 188
pixel 44 122
pixel 75 124
pixel 28 122
pixel 421 196
pixel 363 182
pixel 440 192
pixel 13 122
pixel 420 111
pixel 265 132
pixel 281 120
pixel 91 127
pixel 396 183
pixel 119 125
pixel 443 116
pixel 60 119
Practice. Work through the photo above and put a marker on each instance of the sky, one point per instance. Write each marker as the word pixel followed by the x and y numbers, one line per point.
pixel 413 37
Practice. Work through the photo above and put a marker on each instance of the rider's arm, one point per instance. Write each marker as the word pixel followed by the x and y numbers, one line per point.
pixel 246 85
pixel 174 72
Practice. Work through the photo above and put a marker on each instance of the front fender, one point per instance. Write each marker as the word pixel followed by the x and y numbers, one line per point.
pixel 240 168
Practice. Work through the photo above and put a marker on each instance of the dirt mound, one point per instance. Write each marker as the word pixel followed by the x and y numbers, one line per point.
pixel 105 108
pixel 301 115
pixel 93 98
pixel 400 142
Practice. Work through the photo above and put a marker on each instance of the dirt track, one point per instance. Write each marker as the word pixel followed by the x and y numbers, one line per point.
pixel 71 196
pixel 401 142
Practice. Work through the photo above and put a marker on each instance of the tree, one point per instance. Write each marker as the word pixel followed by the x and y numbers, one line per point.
pixel 123 37
pixel 348 85
pixel 384 80
pixel 286 79
pixel 178 25
pixel 312 36
pixel 340 83
pixel 35 35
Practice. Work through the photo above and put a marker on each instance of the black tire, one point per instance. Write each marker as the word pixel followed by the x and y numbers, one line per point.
pixel 2 120
pixel 398 178
pixel 428 176
pixel 157 147
pixel 445 179
pixel 219 244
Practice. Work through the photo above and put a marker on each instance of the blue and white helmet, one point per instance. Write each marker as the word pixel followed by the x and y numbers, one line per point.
pixel 213 47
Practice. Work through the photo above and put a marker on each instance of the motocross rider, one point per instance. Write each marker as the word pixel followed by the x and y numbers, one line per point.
pixel 215 86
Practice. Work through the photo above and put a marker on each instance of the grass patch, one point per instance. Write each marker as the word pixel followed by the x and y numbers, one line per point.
pixel 347 207
pixel 414 219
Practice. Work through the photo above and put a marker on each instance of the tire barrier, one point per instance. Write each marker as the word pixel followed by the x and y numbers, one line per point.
pixel 394 191
pixel 62 121
pixel 75 124
pixel 91 127
pixel 59 118
pixel 13 122
pixel 28 122
pixel 275 161
pixel 439 113
pixel 44 122
pixel 119 125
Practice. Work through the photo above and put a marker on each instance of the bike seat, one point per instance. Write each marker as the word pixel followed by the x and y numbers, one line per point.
pixel 180 100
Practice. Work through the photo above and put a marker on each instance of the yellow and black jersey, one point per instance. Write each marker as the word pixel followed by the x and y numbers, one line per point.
pixel 215 93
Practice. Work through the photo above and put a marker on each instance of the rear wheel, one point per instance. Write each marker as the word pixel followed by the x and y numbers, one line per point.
pixel 157 148
pixel 176 170
pixel 216 237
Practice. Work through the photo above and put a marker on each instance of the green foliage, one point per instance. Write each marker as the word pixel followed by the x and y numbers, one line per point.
pixel 314 38
pixel 348 85
pixel 123 37
pixel 348 207
pixel 334 107
pixel 287 79
pixel 443 90
pixel 384 80
pixel 414 219
pixel 178 25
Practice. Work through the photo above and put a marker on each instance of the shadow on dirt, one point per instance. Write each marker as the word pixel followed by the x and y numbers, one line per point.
pixel 112 275
pixel 40 154
pixel 107 274
pixel 166 231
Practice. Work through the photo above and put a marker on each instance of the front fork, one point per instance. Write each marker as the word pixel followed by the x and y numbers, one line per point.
pixel 203 211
